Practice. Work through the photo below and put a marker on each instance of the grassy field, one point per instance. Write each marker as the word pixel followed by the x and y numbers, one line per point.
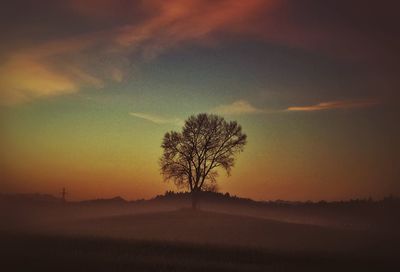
pixel 227 229
pixel 118 237
pixel 21 252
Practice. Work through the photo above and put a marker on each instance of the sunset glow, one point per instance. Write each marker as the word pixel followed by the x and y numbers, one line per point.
pixel 89 88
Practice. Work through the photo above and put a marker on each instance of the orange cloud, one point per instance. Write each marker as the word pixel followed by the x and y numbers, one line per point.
pixel 22 79
pixel 51 68
pixel 62 66
pixel 69 63
pixel 236 108
pixel 335 105
pixel 180 21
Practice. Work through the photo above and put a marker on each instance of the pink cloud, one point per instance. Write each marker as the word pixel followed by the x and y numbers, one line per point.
pixel 165 25
pixel 332 105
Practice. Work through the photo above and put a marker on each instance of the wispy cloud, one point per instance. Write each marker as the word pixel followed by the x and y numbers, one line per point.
pixel 24 79
pixel 65 65
pixel 241 107
pixel 157 119
pixel 97 55
pixel 333 105
pixel 236 108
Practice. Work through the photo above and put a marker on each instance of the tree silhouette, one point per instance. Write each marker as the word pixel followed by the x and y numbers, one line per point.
pixel 191 158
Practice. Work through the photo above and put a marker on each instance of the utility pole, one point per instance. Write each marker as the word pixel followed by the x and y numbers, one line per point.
pixel 63 193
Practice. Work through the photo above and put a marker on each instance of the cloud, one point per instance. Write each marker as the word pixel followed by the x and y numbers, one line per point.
pixel 51 68
pixel 117 75
pixel 237 108
pixel 113 30
pixel 64 65
pixel 157 119
pixel 333 105
pixel 241 107
pixel 24 79
pixel 342 29
pixel 180 22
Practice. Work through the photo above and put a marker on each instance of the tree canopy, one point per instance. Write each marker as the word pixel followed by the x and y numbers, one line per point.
pixel 191 158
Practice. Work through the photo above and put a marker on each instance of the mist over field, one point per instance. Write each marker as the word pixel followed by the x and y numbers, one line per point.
pixel 228 233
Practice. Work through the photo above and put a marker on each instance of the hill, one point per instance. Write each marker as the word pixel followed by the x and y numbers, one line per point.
pixel 204 227
pixel 227 234
pixel 357 214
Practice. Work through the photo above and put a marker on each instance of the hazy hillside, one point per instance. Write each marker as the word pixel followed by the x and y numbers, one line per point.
pixel 227 234
pixel 365 214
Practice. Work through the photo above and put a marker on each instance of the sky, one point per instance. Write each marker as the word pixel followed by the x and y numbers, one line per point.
pixel 89 88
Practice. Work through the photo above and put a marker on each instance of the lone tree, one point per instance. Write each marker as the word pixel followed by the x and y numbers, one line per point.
pixel 191 158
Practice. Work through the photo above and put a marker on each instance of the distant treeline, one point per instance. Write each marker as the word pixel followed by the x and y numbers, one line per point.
pixel 208 196
pixel 215 196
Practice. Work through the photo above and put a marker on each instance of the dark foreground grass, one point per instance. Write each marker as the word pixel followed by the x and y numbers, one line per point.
pixel 29 252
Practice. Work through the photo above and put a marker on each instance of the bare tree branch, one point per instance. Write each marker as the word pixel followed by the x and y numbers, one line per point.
pixel 207 143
